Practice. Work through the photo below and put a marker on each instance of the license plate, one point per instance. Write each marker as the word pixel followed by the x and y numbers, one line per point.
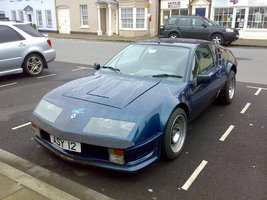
pixel 65 144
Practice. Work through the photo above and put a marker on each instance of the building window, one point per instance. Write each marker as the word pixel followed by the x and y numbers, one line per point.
pixel 224 16
pixel 21 15
pixel 39 18
pixel 84 15
pixel 48 17
pixel 127 18
pixel 257 18
pixel 13 15
pixel 133 18
pixel 140 18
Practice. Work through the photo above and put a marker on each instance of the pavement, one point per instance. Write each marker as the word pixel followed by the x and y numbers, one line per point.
pixel 21 179
pixel 116 38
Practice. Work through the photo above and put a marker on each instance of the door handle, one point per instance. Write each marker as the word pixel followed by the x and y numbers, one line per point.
pixel 22 45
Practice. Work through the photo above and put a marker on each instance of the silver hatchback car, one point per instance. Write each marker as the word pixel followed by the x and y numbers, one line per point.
pixel 22 48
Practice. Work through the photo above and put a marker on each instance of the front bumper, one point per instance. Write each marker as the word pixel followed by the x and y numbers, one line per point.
pixel 95 150
pixel 230 37
pixel 136 157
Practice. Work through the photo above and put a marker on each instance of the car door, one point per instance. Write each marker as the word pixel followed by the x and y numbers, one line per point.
pixel 184 27
pixel 199 29
pixel 12 47
pixel 201 95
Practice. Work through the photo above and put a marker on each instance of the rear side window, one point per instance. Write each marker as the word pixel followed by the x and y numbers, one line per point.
pixel 29 30
pixel 205 60
pixel 7 34
pixel 184 21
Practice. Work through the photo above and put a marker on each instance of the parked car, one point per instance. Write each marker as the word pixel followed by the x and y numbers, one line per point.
pixel 22 48
pixel 198 28
pixel 136 107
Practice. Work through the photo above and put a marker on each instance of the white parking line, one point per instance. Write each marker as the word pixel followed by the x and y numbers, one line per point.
pixel 8 84
pixel 245 108
pixel 46 76
pixel 192 178
pixel 20 126
pixel 81 68
pixel 227 132
pixel 258 91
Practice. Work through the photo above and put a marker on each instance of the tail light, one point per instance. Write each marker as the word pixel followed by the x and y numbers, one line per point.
pixel 49 43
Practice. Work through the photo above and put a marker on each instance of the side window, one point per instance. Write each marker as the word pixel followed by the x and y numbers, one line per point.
pixel 205 60
pixel 184 21
pixel 7 34
pixel 172 21
pixel 196 22
pixel 214 53
pixel 195 68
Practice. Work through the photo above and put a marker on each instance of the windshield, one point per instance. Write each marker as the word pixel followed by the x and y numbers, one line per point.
pixel 151 60
pixel 210 22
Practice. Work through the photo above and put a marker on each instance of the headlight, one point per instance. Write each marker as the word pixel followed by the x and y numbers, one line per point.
pixel 229 30
pixel 48 111
pixel 109 127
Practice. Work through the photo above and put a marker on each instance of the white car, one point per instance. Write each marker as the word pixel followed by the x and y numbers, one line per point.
pixel 22 48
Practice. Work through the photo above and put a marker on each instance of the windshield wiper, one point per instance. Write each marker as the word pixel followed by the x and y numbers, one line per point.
pixel 112 68
pixel 167 75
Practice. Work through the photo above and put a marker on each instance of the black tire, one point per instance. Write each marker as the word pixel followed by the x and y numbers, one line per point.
pixel 174 35
pixel 227 94
pixel 217 38
pixel 33 65
pixel 175 134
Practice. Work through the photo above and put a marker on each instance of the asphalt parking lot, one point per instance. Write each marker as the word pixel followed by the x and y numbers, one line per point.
pixel 226 145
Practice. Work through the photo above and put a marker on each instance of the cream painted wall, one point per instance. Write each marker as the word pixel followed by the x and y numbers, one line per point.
pixel 75 15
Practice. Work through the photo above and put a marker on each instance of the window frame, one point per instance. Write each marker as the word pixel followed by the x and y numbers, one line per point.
pixel 39 18
pixel 253 20
pixel 83 15
pixel 14 15
pixel 48 25
pixel 21 15
pixel 133 18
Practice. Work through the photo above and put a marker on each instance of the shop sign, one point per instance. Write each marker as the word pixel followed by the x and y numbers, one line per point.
pixel 174 4
pixel 234 1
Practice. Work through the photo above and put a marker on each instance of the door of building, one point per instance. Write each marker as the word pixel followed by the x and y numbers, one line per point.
pixel 103 20
pixel 64 21
pixel 240 18
pixel 201 12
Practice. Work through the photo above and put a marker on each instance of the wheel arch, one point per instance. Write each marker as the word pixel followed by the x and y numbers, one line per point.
pixel 39 54
pixel 216 32
pixel 174 31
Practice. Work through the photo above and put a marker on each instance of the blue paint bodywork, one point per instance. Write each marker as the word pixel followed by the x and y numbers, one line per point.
pixel 146 101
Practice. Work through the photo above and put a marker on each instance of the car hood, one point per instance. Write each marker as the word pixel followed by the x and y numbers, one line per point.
pixel 111 90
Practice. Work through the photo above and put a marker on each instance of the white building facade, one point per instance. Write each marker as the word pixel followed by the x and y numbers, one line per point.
pixel 42 13
pixel 249 16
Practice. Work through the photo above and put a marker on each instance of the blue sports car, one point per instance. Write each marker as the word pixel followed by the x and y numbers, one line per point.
pixel 136 107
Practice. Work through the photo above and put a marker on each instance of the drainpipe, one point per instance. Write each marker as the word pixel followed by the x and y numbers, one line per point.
pixel 159 16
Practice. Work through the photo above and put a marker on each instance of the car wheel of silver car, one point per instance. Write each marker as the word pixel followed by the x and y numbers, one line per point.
pixel 33 65
pixel 175 134
pixel 174 35
pixel 217 39
pixel 228 92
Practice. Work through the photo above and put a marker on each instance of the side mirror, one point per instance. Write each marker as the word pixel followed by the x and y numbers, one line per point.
pixel 97 66
pixel 203 79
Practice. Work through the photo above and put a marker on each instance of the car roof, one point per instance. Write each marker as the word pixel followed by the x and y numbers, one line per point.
pixel 189 43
